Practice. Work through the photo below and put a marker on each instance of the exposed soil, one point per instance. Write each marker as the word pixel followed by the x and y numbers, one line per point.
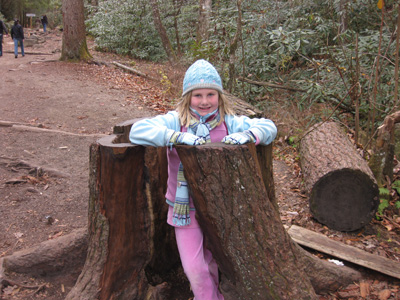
pixel 50 113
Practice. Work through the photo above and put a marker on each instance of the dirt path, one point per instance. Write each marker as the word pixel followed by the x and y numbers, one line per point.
pixel 70 111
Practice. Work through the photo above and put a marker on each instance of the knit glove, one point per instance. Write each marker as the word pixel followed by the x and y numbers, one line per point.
pixel 240 138
pixel 185 138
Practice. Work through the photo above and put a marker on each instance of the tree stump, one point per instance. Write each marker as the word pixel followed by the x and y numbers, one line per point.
pixel 343 192
pixel 132 251
pixel 255 255
pixel 131 248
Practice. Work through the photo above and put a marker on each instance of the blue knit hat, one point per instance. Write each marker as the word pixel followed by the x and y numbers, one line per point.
pixel 201 75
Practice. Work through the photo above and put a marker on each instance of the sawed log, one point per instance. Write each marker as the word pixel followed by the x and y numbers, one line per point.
pixel 343 193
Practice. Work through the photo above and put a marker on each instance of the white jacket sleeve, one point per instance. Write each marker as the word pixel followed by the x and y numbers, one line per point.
pixel 155 131
pixel 264 129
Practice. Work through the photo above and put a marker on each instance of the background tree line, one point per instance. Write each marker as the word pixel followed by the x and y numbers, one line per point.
pixel 338 52
pixel 17 9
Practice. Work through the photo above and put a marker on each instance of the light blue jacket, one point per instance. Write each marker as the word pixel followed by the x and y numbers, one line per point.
pixel 157 131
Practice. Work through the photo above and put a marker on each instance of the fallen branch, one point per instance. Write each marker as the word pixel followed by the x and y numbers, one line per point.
pixel 28 127
pixel 134 71
pixel 271 85
pixel 15 164
pixel 37 129
pixel 9 282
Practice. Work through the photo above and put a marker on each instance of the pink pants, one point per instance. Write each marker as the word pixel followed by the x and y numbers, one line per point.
pixel 198 264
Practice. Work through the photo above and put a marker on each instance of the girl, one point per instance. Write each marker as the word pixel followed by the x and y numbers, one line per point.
pixel 202 116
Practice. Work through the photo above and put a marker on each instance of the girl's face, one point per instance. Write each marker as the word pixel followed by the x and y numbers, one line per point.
pixel 204 101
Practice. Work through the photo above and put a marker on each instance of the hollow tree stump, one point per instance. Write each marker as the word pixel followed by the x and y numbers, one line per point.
pixel 255 255
pixel 343 191
pixel 131 249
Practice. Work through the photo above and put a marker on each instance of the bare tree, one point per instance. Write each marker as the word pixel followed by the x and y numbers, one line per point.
pixel 343 15
pixel 74 45
pixel 177 10
pixel 162 32
pixel 205 7
pixel 233 47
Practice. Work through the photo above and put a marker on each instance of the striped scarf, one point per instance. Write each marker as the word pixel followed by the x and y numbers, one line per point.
pixel 200 126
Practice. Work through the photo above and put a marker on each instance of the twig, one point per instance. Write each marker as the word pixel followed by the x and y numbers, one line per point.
pixel 134 71
pixel 271 85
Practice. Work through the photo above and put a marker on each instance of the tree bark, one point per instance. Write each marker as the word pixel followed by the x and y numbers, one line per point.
pixel 242 227
pixel 343 191
pixel 63 255
pixel 233 47
pixel 205 8
pixel 162 32
pixel 382 158
pixel 131 249
pixel 343 16
pixel 74 46
pixel 177 10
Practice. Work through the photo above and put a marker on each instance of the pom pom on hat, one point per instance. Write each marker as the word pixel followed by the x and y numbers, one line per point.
pixel 201 75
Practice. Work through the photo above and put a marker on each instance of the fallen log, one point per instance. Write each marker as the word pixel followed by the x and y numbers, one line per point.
pixel 242 107
pixel 65 254
pixel 134 71
pixel 343 192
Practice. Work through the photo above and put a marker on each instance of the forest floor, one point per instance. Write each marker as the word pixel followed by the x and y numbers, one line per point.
pixel 50 113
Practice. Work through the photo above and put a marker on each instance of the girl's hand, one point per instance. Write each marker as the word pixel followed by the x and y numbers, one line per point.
pixel 240 138
pixel 185 138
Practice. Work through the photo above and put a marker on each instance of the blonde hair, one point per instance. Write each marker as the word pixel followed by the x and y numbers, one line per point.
pixel 183 108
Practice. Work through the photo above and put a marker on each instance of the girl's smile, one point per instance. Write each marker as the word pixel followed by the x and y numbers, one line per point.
pixel 204 101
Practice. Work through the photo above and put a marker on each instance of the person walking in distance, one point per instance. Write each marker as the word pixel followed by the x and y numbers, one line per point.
pixel 203 115
pixel 44 22
pixel 17 34
pixel 3 31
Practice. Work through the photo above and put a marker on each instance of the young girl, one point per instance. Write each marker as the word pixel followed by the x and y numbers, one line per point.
pixel 202 116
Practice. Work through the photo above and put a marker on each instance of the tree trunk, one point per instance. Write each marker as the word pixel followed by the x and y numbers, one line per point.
pixel 74 45
pixel 382 158
pixel 242 228
pixel 343 191
pixel 233 47
pixel 131 248
pixel 204 20
pixel 177 10
pixel 343 16
pixel 161 31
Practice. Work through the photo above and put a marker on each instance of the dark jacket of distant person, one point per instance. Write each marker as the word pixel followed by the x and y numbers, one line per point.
pixel 17 32
pixel 3 28
pixel 44 20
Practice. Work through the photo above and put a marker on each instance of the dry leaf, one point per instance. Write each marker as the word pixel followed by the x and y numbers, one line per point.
pixel 389 227
pixel 384 295
pixel 364 289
